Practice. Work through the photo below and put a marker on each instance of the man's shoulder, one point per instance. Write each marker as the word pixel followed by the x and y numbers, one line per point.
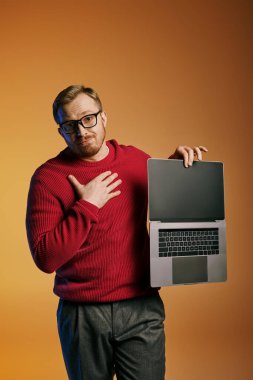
pixel 53 164
pixel 129 150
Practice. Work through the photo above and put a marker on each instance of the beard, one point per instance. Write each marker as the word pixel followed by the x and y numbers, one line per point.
pixel 89 146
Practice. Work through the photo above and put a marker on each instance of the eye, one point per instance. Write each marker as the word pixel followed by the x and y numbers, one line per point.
pixel 69 124
pixel 68 127
pixel 87 118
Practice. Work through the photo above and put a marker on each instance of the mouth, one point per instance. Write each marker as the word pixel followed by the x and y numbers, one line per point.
pixel 85 141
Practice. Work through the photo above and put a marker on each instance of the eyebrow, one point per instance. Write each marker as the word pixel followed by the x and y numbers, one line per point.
pixel 84 113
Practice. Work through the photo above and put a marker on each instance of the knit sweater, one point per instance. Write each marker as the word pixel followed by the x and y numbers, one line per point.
pixel 98 254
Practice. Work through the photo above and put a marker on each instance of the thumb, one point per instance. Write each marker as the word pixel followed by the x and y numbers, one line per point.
pixel 77 185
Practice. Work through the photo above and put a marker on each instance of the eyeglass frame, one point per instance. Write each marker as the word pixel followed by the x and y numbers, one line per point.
pixel 77 122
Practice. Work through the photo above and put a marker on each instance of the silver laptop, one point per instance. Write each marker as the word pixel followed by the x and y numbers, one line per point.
pixel 187 222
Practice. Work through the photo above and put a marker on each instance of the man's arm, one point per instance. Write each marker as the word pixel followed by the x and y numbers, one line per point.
pixel 55 238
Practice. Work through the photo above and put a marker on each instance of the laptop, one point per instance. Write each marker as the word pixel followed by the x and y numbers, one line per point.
pixel 186 222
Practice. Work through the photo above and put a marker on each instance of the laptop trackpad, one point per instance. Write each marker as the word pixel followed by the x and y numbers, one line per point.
pixel 189 269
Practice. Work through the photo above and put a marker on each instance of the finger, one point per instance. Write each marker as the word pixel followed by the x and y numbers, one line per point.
pixel 114 185
pixel 113 195
pixel 182 152
pixel 190 154
pixel 109 179
pixel 103 175
pixel 77 185
pixel 198 152
pixel 201 147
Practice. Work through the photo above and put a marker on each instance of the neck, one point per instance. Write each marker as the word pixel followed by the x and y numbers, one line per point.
pixel 100 155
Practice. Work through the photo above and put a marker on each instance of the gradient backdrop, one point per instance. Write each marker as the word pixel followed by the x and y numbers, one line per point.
pixel 169 73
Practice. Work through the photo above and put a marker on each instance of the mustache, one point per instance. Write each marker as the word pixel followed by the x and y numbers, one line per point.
pixel 81 139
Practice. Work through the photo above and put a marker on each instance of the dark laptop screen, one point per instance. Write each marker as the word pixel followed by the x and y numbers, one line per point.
pixel 177 193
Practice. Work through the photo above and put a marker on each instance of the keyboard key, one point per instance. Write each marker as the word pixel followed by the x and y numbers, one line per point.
pixel 194 253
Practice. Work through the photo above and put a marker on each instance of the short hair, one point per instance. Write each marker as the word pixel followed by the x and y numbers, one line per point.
pixel 70 93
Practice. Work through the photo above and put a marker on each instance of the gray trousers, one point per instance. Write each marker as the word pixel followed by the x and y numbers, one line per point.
pixel 101 339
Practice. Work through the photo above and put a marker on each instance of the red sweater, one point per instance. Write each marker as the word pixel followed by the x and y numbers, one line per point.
pixel 99 255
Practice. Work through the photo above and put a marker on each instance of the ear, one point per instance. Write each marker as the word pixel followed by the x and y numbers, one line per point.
pixel 60 132
pixel 104 118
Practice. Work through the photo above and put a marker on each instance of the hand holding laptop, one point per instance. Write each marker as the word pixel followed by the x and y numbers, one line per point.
pixel 187 154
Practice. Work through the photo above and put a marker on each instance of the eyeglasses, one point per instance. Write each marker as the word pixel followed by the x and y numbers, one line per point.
pixel 87 121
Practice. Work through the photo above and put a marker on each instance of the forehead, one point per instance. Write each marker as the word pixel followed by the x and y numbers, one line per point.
pixel 82 104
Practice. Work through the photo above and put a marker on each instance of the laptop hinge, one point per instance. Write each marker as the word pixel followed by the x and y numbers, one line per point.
pixel 184 221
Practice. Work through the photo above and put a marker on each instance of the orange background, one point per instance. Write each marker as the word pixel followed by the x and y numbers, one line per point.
pixel 169 73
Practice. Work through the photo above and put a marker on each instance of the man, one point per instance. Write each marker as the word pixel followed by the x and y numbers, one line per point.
pixel 86 220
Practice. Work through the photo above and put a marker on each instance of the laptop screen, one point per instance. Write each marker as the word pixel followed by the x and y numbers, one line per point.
pixel 177 193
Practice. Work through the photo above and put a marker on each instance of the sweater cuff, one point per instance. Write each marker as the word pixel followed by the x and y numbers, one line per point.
pixel 89 209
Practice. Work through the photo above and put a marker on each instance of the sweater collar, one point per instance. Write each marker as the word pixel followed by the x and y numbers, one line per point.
pixel 72 159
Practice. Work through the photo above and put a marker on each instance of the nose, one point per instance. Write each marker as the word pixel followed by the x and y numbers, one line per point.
pixel 80 130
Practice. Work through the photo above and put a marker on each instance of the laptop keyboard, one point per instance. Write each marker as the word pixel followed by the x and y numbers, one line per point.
pixel 188 242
